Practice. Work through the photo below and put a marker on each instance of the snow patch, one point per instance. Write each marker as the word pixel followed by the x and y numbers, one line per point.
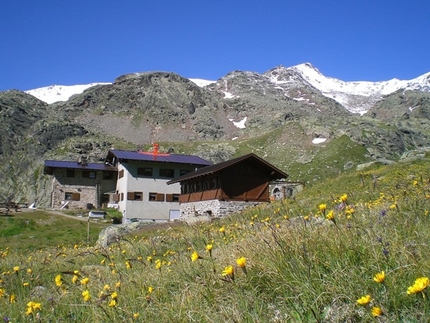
pixel 201 82
pixel 228 95
pixel 240 124
pixel 318 140
pixel 55 93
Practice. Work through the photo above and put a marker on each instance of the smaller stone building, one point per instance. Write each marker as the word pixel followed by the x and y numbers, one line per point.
pixel 218 190
pixel 80 185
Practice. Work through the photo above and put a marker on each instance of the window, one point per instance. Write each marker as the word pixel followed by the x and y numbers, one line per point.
pixel 159 197
pixel 135 196
pixel 121 173
pixel 164 172
pixel 107 175
pixel 172 197
pixel 89 174
pixel 122 196
pixel 144 171
pixel 183 172
pixel 69 196
pixel 70 173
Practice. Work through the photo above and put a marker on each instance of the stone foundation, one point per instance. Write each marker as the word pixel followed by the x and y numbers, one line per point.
pixel 212 209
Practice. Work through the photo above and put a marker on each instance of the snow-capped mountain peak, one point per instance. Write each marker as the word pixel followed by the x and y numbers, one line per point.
pixel 357 96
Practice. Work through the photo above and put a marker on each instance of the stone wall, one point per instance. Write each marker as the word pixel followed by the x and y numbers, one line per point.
pixel 87 195
pixel 86 188
pixel 212 209
pixel 283 190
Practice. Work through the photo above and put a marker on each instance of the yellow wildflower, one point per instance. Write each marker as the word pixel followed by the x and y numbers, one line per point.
pixel 112 303
pixel 379 277
pixel 349 210
pixel 344 198
pixel 364 300
pixel 330 215
pixel 136 315
pixel 228 271
pixel 114 295
pixel 195 256
pixel 12 298
pixel 241 262
pixel 58 280
pixel 150 289
pixel 86 295
pixel 16 268
pixel 209 247
pixel 84 281
pixel 419 285
pixel 75 278
pixel 376 311
pixel 33 307
pixel 222 230
pixel 128 265
pixel 322 207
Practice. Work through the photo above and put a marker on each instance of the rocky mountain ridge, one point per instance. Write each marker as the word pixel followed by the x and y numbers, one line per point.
pixel 356 97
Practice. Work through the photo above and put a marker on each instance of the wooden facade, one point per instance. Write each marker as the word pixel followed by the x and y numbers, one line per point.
pixel 241 182
pixel 243 179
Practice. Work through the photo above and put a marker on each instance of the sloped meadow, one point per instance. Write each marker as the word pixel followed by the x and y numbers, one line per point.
pixel 349 249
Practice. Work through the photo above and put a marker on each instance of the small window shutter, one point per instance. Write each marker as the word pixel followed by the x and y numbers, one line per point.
pixel 115 197
pixel 169 197
pixel 160 197
pixel 130 196
pixel 76 197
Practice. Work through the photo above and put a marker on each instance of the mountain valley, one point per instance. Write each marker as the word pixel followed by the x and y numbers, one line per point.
pixel 308 125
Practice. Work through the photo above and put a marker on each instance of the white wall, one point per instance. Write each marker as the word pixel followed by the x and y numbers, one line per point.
pixel 145 209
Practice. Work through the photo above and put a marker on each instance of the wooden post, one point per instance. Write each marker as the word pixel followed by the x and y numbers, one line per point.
pixel 88 230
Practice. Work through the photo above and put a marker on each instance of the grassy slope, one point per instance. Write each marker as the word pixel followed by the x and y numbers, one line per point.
pixel 300 266
pixel 32 230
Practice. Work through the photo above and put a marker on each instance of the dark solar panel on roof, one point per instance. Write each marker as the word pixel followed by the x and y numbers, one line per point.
pixel 166 158
pixel 76 165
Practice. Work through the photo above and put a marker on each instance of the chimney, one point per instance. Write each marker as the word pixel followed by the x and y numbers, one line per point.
pixel 83 160
pixel 155 149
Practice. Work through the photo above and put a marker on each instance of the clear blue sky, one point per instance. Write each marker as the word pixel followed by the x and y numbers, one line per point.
pixel 67 42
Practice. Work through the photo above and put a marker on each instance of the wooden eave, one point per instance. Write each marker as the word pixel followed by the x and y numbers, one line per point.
pixel 210 170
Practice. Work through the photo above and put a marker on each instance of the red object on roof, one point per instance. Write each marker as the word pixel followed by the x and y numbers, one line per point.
pixel 166 158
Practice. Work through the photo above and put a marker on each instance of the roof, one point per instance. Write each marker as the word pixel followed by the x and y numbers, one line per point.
pixel 158 157
pixel 205 171
pixel 49 164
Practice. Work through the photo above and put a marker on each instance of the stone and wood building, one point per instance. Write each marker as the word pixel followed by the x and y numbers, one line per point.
pixel 134 182
pixel 80 185
pixel 227 187
pixel 141 191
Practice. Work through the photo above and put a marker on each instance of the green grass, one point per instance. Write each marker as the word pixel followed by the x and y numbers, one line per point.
pixel 33 230
pixel 300 266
